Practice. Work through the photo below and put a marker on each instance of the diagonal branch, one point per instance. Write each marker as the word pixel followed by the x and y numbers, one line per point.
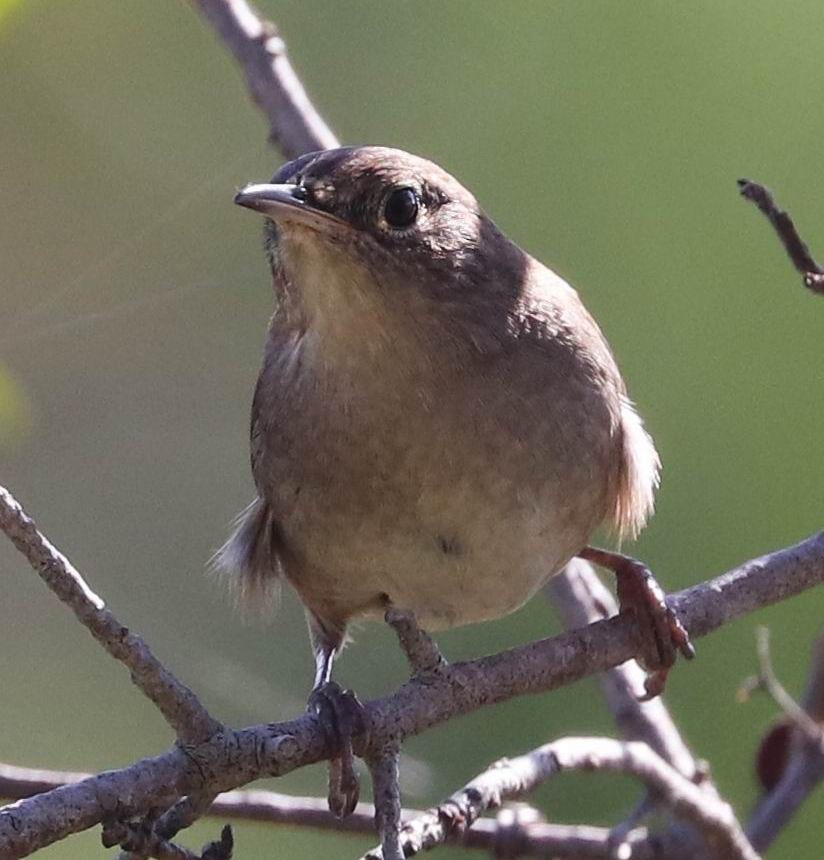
pixel 228 759
pixel 794 245
pixel 514 777
pixel 294 124
pixel 535 839
pixel 178 704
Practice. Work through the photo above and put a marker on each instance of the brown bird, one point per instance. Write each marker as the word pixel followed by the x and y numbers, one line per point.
pixel 439 425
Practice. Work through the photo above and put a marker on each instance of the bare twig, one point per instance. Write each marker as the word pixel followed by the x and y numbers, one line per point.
pixel 294 124
pixel 804 767
pixel 387 796
pixel 537 839
pixel 813 700
pixel 159 832
pixel 143 842
pixel 514 777
pixel 420 648
pixel 796 249
pixel 620 835
pixel 178 704
pixel 232 758
pixel 767 680
pixel 184 814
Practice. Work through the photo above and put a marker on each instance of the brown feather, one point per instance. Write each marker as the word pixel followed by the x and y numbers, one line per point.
pixel 251 558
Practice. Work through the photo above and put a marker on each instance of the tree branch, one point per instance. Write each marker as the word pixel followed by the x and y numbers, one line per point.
pixel 794 245
pixel 803 770
pixel 295 127
pixel 386 790
pixel 228 759
pixel 514 777
pixel 144 842
pixel 536 839
pixel 178 704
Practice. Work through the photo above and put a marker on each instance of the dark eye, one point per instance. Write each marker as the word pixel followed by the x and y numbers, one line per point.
pixel 401 208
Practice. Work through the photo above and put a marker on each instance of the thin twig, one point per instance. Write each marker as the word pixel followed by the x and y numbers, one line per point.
pixel 768 681
pixel 813 699
pixel 620 835
pixel 142 842
pixel 537 839
pixel 294 124
pixel 514 777
pixel 794 245
pixel 804 768
pixel 178 704
pixel 182 815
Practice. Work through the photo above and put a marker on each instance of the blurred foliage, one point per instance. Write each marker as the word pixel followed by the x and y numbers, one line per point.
pixel 6 7
pixel 15 419
pixel 605 136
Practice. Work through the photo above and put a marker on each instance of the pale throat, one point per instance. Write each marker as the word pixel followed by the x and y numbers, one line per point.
pixel 352 323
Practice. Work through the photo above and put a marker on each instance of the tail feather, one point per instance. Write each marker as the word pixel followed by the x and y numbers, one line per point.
pixel 638 475
pixel 251 558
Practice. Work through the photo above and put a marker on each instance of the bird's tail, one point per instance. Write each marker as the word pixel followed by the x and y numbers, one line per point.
pixel 638 475
pixel 250 560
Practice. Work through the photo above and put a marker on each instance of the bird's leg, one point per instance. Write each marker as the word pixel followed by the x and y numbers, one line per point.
pixel 420 648
pixel 341 718
pixel 640 593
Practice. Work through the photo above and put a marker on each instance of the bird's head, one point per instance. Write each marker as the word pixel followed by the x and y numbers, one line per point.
pixel 373 222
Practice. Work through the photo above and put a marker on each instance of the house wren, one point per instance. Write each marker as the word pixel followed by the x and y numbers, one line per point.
pixel 439 425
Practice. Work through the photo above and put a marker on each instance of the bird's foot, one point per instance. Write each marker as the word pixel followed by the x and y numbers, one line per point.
pixel 662 634
pixel 342 718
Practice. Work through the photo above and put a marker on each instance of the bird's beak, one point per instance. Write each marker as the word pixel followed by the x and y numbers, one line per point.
pixel 285 203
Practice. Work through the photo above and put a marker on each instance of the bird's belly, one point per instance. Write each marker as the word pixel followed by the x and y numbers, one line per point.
pixel 455 500
pixel 454 552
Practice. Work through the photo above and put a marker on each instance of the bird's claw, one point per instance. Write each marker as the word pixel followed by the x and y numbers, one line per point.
pixel 341 717
pixel 663 635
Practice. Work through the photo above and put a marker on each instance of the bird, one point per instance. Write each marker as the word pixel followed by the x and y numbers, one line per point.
pixel 439 425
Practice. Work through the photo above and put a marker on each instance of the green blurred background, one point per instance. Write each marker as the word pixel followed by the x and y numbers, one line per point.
pixel 605 137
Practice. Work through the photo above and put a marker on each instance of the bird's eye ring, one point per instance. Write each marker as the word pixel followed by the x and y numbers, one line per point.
pixel 401 208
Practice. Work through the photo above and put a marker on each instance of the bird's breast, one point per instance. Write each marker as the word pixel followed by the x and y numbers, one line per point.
pixel 451 488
